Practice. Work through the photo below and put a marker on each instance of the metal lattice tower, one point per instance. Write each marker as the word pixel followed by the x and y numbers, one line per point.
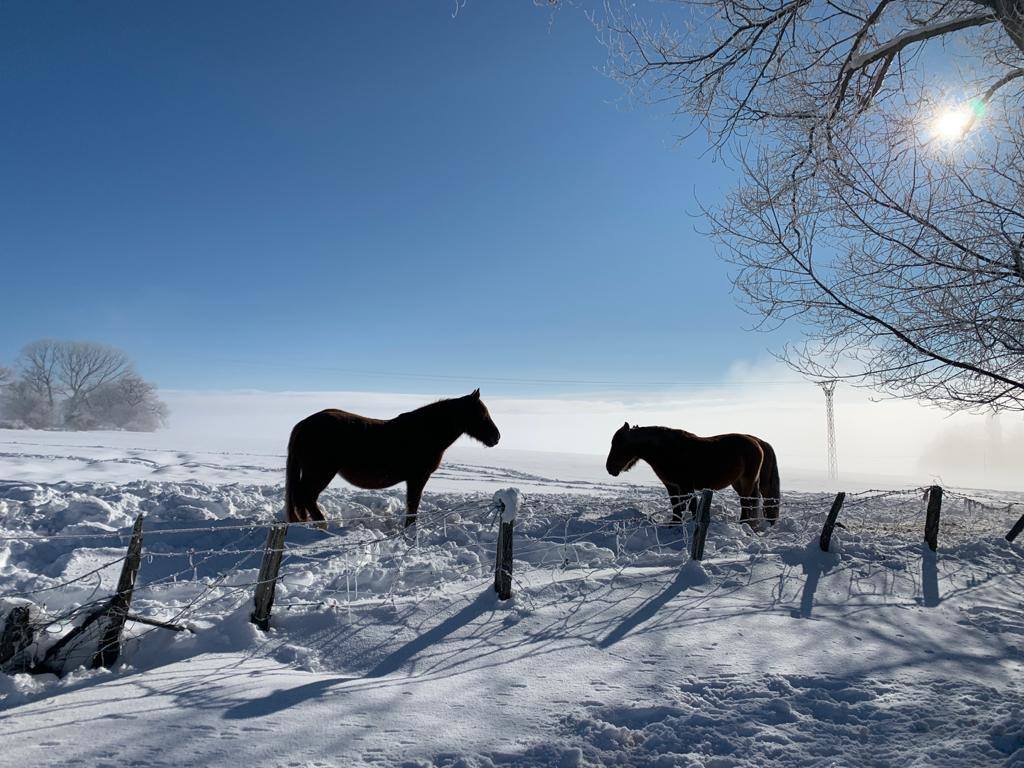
pixel 829 387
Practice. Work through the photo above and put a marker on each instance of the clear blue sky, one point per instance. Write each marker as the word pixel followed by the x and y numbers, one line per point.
pixel 258 195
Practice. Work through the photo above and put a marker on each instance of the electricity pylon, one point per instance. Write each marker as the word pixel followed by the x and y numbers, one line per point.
pixel 829 387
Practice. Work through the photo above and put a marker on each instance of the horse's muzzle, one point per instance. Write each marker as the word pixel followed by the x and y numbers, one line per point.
pixel 492 440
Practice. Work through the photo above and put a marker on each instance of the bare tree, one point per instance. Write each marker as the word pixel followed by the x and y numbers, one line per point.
pixel 129 402
pixel 38 368
pixel 79 385
pixel 83 367
pixel 21 405
pixel 881 202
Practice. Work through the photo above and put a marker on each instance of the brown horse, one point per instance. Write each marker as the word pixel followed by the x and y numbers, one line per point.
pixel 376 453
pixel 686 463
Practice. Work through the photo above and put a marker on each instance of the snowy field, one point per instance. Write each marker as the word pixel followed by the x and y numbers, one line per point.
pixel 616 649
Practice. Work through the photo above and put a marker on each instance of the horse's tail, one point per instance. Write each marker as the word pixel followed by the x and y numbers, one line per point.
pixel 769 483
pixel 291 478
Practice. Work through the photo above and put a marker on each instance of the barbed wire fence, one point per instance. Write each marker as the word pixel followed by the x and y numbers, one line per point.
pixel 190 587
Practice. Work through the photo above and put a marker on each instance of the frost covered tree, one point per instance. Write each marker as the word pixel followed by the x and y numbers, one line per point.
pixel 79 385
pixel 881 197
pixel 21 406
pixel 38 369
pixel 83 368
pixel 128 402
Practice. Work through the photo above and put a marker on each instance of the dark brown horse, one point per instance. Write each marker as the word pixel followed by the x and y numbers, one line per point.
pixel 686 463
pixel 374 453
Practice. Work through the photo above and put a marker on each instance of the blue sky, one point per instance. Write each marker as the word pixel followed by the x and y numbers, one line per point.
pixel 272 195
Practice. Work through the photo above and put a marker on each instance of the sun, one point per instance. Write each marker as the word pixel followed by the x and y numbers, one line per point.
pixel 952 123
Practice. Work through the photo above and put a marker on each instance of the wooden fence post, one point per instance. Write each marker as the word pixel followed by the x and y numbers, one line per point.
pixel 830 521
pixel 110 645
pixel 508 502
pixel 18 634
pixel 70 651
pixel 931 525
pixel 1015 531
pixel 267 581
pixel 700 532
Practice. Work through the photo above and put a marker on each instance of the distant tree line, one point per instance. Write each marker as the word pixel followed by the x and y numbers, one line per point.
pixel 77 385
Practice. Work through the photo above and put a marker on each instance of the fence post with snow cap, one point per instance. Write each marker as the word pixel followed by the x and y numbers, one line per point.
pixel 931 524
pixel 507 502
pixel 830 521
pixel 267 581
pixel 700 532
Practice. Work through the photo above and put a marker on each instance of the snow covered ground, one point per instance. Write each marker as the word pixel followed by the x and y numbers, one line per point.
pixel 616 649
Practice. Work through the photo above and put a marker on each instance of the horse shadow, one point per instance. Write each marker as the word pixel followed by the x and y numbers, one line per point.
pixel 282 699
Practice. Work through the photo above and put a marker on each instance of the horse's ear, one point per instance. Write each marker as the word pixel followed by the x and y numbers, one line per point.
pixel 625 425
pixel 475 393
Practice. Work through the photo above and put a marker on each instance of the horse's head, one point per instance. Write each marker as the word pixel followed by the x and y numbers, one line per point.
pixel 478 424
pixel 621 457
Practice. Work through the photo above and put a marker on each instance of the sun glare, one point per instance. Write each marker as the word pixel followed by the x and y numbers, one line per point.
pixel 952 123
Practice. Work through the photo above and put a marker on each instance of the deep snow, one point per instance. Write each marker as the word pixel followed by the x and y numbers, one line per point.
pixel 389 649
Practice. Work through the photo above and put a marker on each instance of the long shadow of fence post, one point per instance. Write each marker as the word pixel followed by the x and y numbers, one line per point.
pixel 813 570
pixel 649 609
pixel 930 578
pixel 484 602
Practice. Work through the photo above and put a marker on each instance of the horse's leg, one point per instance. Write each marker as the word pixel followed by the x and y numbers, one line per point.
pixel 746 489
pixel 681 499
pixel 676 497
pixel 313 483
pixel 413 494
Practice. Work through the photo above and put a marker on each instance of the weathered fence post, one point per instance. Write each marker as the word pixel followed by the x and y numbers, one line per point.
pixel 110 645
pixel 700 532
pixel 507 502
pixel 267 580
pixel 18 634
pixel 69 652
pixel 931 525
pixel 1015 531
pixel 830 521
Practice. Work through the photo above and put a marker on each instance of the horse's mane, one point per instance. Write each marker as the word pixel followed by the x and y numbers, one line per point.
pixel 660 432
pixel 430 409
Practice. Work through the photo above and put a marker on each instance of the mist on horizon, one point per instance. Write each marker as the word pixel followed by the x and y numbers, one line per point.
pixel 900 440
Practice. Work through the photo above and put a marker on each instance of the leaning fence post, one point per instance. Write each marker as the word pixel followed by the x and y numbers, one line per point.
pixel 68 652
pixel 110 645
pixel 267 581
pixel 700 533
pixel 507 502
pixel 830 521
pixel 931 525
pixel 1015 531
